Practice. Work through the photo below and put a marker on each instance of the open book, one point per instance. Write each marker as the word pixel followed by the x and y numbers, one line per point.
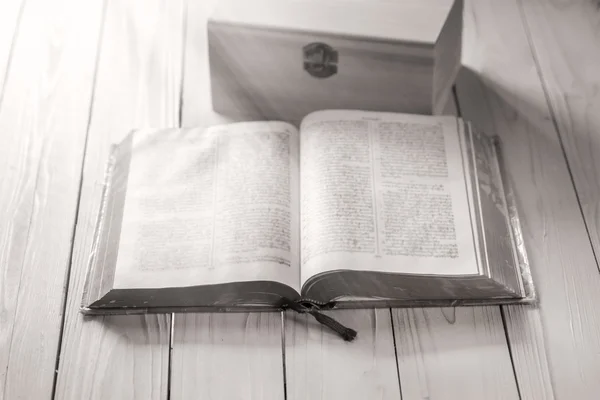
pixel 353 209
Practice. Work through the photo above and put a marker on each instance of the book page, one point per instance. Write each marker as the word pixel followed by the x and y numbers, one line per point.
pixel 384 192
pixel 211 206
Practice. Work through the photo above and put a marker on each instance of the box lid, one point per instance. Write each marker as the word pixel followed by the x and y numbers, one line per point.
pixel 418 21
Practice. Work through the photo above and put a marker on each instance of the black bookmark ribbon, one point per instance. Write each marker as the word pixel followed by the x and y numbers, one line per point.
pixel 308 307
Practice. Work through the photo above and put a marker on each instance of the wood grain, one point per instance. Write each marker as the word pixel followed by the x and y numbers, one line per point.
pixel 453 353
pixel 320 365
pixel 137 85
pixel 227 356
pixel 10 16
pixel 555 345
pixel 565 39
pixel 42 130
pixel 245 349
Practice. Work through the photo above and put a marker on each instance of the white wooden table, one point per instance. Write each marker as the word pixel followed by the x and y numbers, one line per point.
pixel 76 76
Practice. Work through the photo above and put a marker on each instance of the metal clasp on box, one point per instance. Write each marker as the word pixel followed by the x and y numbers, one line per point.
pixel 320 60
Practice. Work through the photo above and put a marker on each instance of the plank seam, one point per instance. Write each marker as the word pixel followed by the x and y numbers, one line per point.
pixel 396 352
pixel 285 396
pixel 170 362
pixel 510 353
pixel 183 60
pixel 546 92
pixel 70 260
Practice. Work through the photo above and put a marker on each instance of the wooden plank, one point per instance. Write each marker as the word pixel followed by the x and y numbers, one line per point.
pixel 555 344
pixel 320 365
pixel 137 85
pixel 453 353
pixel 227 356
pixel 10 16
pixel 244 349
pixel 43 119
pixel 565 44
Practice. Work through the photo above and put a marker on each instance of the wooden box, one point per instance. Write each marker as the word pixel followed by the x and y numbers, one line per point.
pixel 282 59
